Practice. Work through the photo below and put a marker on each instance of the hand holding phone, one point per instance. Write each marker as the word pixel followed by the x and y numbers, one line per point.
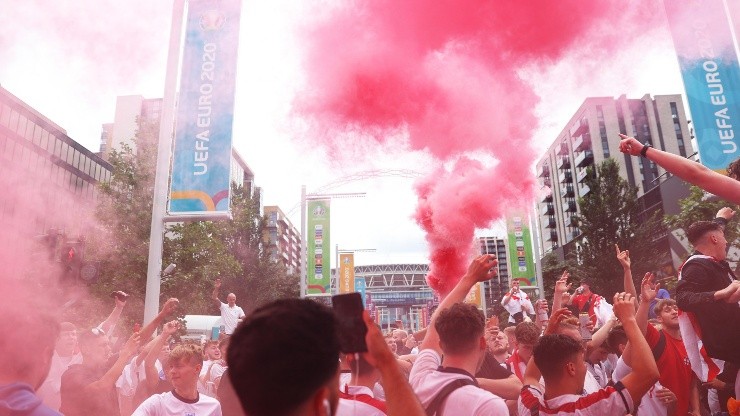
pixel 350 324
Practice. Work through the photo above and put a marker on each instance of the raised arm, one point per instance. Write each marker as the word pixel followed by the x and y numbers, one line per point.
pixel 112 319
pixel 399 396
pixel 561 287
pixel 688 170
pixel 214 294
pixel 480 270
pixel 648 292
pixel 624 259
pixel 152 377
pixel 600 336
pixel 108 379
pixel 644 370
pixel 169 309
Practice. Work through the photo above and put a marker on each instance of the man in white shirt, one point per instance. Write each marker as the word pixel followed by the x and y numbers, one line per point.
pixel 230 313
pixel 357 398
pixel 560 358
pixel 183 369
pixel 457 330
pixel 65 355
pixel 517 303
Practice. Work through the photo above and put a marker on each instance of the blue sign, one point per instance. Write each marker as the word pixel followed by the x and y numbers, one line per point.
pixel 360 288
pixel 202 153
pixel 711 76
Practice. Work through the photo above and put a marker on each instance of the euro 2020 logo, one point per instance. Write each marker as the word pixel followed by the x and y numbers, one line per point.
pixel 212 20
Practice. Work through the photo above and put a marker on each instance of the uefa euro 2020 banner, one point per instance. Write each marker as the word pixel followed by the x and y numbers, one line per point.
pixel 709 66
pixel 319 249
pixel 202 156
pixel 346 281
pixel 521 267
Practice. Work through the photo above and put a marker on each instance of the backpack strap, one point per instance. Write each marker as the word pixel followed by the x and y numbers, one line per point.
pixel 659 347
pixel 434 406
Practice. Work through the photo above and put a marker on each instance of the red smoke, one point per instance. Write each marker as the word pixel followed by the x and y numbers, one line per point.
pixel 446 73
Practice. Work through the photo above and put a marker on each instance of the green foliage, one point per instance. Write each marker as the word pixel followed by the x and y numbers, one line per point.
pixel 694 208
pixel 203 251
pixel 552 269
pixel 610 215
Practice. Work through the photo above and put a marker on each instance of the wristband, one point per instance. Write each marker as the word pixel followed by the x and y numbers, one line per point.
pixel 644 150
pixel 721 221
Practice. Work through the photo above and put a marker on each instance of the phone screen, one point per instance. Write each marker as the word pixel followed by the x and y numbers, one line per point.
pixel 348 312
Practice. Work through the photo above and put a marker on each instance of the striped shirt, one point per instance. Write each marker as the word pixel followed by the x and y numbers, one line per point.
pixel 608 401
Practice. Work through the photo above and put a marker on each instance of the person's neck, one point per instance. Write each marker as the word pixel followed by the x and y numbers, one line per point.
pixel 363 380
pixel 674 332
pixel 501 357
pixel 557 388
pixel 707 251
pixel 190 392
pixel 468 363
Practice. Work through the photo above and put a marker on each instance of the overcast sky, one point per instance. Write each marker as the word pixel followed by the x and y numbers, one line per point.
pixel 70 63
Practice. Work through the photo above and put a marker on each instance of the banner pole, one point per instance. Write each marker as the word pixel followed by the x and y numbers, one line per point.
pixel 164 149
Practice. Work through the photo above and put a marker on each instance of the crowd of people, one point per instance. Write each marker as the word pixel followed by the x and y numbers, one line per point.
pixel 643 351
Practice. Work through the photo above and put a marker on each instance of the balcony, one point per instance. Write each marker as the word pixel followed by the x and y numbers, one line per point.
pixel 543 171
pixel 569 206
pixel 548 209
pixel 562 149
pixel 574 234
pixel 582 143
pixel 553 236
pixel 583 191
pixel 569 221
pixel 585 158
pixel 550 223
pixel 563 162
pixel 547 198
pixel 565 177
pixel 582 175
pixel 580 128
pixel 546 181
pixel 568 191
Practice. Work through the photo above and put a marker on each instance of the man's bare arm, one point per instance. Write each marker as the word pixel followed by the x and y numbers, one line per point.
pixel 506 388
pixel 644 370
pixel 688 170
pixel 481 269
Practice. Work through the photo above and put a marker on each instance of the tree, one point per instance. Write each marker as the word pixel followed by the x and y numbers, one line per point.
pixel 609 215
pixel 231 250
pixel 696 207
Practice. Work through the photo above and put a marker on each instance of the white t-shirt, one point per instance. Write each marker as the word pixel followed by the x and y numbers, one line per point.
pixel 598 373
pixel 427 382
pixel 518 303
pixel 49 390
pixel 650 404
pixel 609 401
pixel 231 317
pixel 169 404
pixel 378 392
pixel 349 407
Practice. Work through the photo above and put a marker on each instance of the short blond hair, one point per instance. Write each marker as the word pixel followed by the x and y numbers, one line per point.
pixel 187 352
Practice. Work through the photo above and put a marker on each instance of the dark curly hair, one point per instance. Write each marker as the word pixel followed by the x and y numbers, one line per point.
pixel 459 328
pixel 733 170
pixel 527 333
pixel 698 229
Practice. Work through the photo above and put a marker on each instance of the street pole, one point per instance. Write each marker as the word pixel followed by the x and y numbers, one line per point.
pixel 304 243
pixel 164 149
pixel 534 228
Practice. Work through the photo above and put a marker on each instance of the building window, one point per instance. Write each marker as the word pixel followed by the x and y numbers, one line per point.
pixel 602 131
pixel 677 129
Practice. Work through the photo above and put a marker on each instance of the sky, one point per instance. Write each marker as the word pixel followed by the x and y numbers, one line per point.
pixel 70 64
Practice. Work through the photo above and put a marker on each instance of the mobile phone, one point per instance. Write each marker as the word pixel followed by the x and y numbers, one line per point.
pixel 584 319
pixel 350 325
